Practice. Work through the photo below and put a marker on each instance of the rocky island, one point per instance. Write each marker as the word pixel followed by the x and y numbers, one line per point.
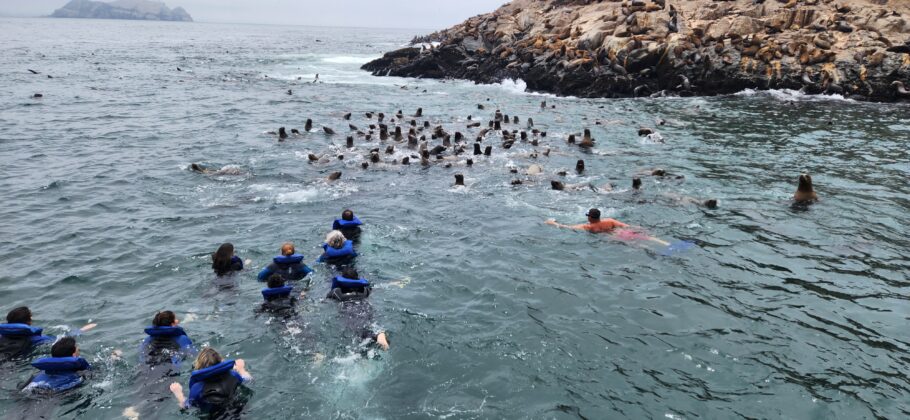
pixel 630 48
pixel 122 9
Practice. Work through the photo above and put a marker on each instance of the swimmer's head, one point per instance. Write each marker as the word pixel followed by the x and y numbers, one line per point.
pixel 20 315
pixel 711 204
pixel 350 273
pixel 164 319
pixel 208 357
pixel 593 215
pixel 275 280
pixel 287 249
pixel 347 215
pixel 335 239
pixel 65 347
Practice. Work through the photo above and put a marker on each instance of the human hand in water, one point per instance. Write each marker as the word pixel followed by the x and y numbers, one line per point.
pixel 176 388
pixel 240 364
pixel 88 327
pixel 248 262
pixel 551 222
pixel 382 341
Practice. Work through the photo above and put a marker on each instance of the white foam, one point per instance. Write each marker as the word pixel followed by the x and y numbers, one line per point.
pixel 790 95
pixel 300 196
pixel 344 59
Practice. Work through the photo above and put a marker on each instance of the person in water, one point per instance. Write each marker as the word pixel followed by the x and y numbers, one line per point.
pixel 18 337
pixel 213 383
pixel 166 341
pixel 348 224
pixel 288 265
pixel 224 261
pixel 595 223
pixel 805 193
pixel 338 249
pixel 352 291
pixel 278 296
pixel 61 371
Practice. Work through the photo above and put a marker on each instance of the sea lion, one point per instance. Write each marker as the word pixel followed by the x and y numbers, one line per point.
pixel 805 193
pixel 312 157
pixel 308 126
pixel 469 162
pixel 334 176
pixel 369 115
pixel 459 179
pixel 349 142
pixel 347 116
pixel 37 96
pixel 328 131
pixel 514 120
pixel 390 150
pixel 419 113
pixel 516 182
pixel 488 151
pixel 580 166
pixel 901 90
pixel 477 149
pixel 406 160
pixel 364 165
pixel 644 131
pixel 295 131
pixel 571 139
pixel 290 92
pixel 398 135
pixel 353 127
pixel 374 157
pixel 636 183
pixel 282 134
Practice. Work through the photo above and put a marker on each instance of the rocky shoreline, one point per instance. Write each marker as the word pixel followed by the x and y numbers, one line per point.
pixel 633 48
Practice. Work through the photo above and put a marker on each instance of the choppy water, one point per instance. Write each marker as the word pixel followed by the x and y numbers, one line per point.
pixel 779 313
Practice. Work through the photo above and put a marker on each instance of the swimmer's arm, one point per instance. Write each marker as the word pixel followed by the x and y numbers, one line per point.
pixel 78 332
pixel 177 390
pixel 382 340
pixel 552 222
pixel 240 367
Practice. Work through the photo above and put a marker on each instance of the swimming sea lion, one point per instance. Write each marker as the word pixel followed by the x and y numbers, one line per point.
pixel 328 131
pixel 459 179
pixel 295 131
pixel 488 151
pixel 347 116
pixel 349 142
pixel 334 176
pixel 805 193
pixel 419 113
pixel 636 183
pixel 282 134
pixel 477 149
pixel 580 166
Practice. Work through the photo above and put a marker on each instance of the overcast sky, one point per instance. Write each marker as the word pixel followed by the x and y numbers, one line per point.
pixel 422 14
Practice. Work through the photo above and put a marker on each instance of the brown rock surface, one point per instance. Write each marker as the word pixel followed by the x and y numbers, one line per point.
pixel 613 48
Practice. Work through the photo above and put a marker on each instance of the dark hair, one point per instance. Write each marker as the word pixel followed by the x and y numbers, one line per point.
pixel 275 280
pixel 350 273
pixel 221 259
pixel 347 215
pixel 594 214
pixel 20 315
pixel 64 347
pixel 164 319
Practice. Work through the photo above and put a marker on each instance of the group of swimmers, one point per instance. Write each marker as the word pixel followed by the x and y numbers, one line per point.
pixel 214 380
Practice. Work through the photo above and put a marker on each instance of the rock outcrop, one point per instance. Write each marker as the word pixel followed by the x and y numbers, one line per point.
pixel 122 9
pixel 626 48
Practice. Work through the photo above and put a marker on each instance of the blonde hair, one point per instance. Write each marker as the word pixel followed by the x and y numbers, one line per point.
pixel 335 239
pixel 287 249
pixel 208 357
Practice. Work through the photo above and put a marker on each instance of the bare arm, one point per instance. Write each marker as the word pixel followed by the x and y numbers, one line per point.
pixel 240 367
pixel 552 222
pixel 177 390
pixel 382 341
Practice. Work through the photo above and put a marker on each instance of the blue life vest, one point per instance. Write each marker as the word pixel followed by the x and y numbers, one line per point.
pixel 60 373
pixel 213 386
pixel 165 343
pixel 288 259
pixel 337 254
pixel 18 339
pixel 340 282
pixel 340 224
pixel 345 289
pixel 290 267
pixel 277 292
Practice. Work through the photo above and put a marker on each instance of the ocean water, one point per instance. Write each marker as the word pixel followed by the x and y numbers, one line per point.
pixel 778 312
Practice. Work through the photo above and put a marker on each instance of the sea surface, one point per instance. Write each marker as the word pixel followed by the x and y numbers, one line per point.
pixel 778 312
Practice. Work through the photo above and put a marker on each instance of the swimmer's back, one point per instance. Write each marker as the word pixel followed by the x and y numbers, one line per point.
pixel 603 226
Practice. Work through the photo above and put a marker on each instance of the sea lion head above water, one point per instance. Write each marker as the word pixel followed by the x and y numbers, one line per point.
pixel 334 176
pixel 580 166
pixel 805 192
pixel 557 185
pixel 711 204
pixel 636 183
pixel 459 179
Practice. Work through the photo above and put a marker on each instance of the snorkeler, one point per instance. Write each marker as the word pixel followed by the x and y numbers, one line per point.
pixel 352 291
pixel 594 225
pixel 338 249
pixel 213 383
pixel 18 337
pixel 348 224
pixel 224 261
pixel 278 296
pixel 166 341
pixel 288 265
pixel 62 370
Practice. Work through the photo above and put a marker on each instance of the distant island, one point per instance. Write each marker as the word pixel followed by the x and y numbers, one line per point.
pixel 122 9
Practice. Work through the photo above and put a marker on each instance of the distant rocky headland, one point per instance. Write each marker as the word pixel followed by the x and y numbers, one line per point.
pixel 122 9
pixel 626 48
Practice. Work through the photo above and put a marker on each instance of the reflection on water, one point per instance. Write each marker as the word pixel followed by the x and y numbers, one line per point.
pixel 778 312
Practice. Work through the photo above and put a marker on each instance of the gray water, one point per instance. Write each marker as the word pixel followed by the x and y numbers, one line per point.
pixel 777 313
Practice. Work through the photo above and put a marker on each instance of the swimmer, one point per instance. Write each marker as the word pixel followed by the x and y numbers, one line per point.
pixel 349 224
pixel 213 383
pixel 805 193
pixel 226 170
pixel 595 223
pixel 288 265
pixel 61 371
pixel 682 199
pixel 338 250
pixel 18 337
pixel 278 297
pixel 166 341
pixel 352 291
pixel 224 261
